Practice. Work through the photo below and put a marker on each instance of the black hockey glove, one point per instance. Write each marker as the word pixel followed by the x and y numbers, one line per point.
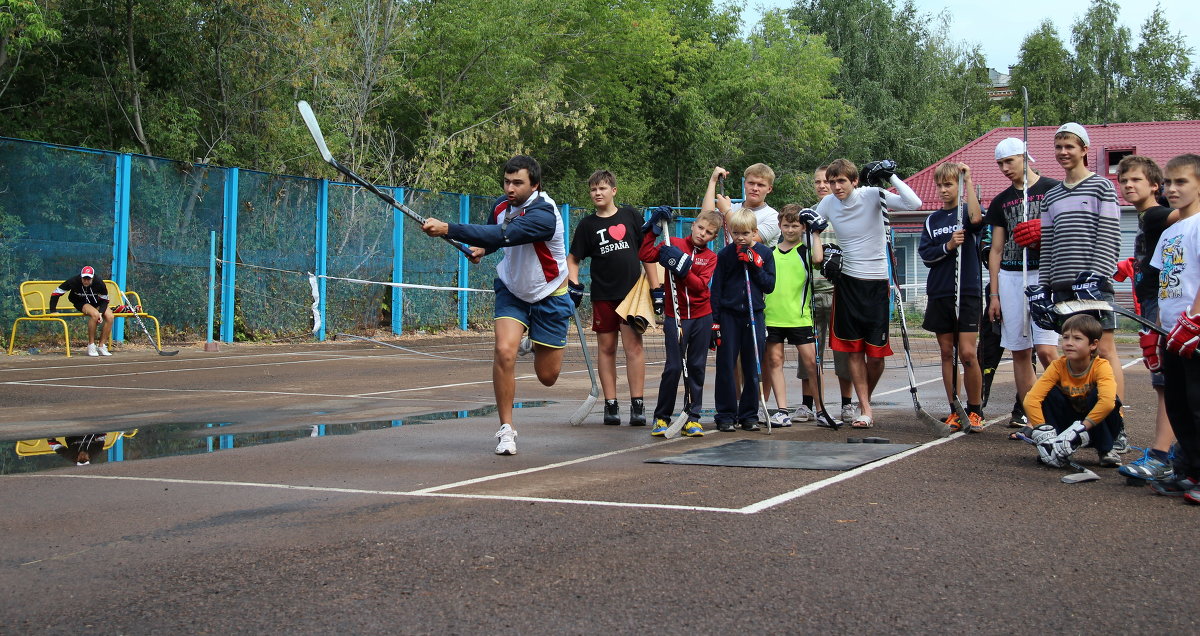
pixel 831 267
pixel 815 222
pixel 657 216
pixel 878 173
pixel 1041 308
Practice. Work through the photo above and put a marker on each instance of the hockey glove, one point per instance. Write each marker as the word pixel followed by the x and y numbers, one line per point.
pixel 1041 309
pixel 879 173
pixel 657 216
pixel 1028 234
pixel 657 296
pixel 1152 346
pixel 1070 440
pixel 749 256
pixel 831 267
pixel 1087 286
pixel 815 222
pixel 675 260
pixel 714 339
pixel 1185 337
pixel 576 292
pixel 1126 269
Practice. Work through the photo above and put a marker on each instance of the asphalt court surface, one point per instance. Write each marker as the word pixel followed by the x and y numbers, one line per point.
pixel 418 526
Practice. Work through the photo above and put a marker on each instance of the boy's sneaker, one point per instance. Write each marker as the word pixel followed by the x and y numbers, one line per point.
pixel 660 427
pixel 1110 459
pixel 749 425
pixel 103 349
pixel 954 423
pixel 1121 444
pixel 803 414
pixel 1147 468
pixel 1017 420
pixel 693 429
pixel 637 412
pixel 525 347
pixel 763 417
pixel 975 422
pixel 1174 487
pixel 612 413
pixel 726 427
pixel 1192 496
pixel 781 419
pixel 825 420
pixel 848 414
pixel 92 351
pixel 508 440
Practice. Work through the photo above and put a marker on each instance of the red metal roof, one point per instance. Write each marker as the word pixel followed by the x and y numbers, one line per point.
pixel 1160 140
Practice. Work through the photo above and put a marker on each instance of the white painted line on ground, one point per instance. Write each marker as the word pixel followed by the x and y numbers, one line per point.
pixel 239 391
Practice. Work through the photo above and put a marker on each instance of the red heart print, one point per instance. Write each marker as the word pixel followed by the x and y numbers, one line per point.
pixel 617 231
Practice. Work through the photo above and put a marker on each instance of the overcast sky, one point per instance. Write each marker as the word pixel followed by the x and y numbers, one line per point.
pixel 999 27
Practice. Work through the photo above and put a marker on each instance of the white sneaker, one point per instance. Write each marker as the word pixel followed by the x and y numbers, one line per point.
pixel 803 414
pixel 781 420
pixel 525 347
pixel 103 349
pixel 508 441
pixel 762 414
pixel 92 351
pixel 848 414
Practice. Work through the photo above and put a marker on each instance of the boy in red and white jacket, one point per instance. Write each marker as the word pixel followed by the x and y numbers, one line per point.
pixel 690 264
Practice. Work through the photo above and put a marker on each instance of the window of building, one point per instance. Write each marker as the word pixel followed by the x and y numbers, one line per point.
pixel 1114 157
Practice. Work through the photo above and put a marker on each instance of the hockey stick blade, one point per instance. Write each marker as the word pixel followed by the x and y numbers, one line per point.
pixel 1078 478
pixel 314 129
pixel 138 319
pixel 590 402
pixel 1068 307
pixel 676 425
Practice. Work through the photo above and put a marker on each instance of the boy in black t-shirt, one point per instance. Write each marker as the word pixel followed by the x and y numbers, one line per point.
pixel 611 237
pixel 1006 301
pixel 1141 179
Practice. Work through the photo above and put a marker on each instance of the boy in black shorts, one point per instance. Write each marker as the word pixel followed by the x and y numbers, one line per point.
pixel 943 244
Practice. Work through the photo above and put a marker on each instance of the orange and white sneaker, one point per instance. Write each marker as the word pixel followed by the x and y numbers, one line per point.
pixel 954 423
pixel 975 422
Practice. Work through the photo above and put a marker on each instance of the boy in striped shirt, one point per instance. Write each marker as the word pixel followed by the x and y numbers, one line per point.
pixel 1079 233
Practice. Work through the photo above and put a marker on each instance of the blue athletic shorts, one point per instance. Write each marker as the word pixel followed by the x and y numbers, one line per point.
pixel 546 320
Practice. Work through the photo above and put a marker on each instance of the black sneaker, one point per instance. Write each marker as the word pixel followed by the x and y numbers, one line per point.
pixel 726 427
pixel 749 425
pixel 612 413
pixel 637 412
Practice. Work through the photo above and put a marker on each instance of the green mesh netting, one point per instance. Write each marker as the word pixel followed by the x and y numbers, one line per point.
pixel 359 245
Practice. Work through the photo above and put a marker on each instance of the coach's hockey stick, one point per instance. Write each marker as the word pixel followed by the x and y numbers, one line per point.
pixel 938 427
pixel 955 403
pixel 310 120
pixel 1068 307
pixel 1024 206
pixel 762 400
pixel 138 319
pixel 582 412
pixel 681 419
pixel 824 419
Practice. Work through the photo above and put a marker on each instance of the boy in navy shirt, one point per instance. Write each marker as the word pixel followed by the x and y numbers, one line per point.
pixel 945 242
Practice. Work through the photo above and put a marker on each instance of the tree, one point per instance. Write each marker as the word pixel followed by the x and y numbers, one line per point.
pixel 1157 88
pixel 1044 70
pixel 1102 63
pixel 23 24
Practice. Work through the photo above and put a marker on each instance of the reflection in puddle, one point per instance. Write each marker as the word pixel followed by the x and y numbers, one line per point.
pixel 190 438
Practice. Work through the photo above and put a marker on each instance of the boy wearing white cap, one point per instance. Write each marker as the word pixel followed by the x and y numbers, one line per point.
pixel 1080 233
pixel 90 297
pixel 1006 302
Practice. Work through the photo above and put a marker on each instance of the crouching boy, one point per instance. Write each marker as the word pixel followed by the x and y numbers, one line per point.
pixel 1074 404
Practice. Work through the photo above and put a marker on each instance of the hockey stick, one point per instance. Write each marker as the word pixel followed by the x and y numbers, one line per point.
pixel 1068 307
pixel 582 412
pixel 310 120
pixel 146 331
pixel 1024 206
pixel 955 403
pixel 811 293
pixel 935 425
pixel 681 419
pixel 754 336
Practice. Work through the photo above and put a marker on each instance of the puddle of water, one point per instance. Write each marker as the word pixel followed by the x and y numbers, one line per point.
pixel 190 438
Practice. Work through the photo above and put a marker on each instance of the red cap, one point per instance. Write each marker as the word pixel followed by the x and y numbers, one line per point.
pixel 87 272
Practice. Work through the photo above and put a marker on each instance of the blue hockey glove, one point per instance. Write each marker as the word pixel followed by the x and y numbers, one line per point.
pixel 657 216
pixel 1041 308
pixel 658 297
pixel 675 260
pixel 1087 286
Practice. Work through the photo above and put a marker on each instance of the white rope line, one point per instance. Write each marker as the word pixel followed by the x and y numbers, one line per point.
pixel 360 280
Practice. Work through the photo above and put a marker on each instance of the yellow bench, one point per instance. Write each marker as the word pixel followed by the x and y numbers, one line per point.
pixel 31 447
pixel 35 295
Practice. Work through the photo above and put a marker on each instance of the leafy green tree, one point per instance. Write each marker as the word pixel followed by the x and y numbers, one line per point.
pixel 23 25
pixel 1102 62
pixel 1158 87
pixel 1044 69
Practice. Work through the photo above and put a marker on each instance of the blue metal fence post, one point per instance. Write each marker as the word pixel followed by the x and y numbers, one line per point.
pixel 398 265
pixel 116 453
pixel 464 217
pixel 212 283
pixel 565 210
pixel 322 266
pixel 229 254
pixel 120 264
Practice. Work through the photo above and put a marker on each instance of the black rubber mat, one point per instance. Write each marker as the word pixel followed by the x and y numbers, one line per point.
pixel 753 453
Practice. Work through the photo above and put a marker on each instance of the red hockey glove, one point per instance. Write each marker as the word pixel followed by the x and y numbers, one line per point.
pixel 1151 343
pixel 1185 337
pixel 748 256
pixel 1028 233
pixel 1125 270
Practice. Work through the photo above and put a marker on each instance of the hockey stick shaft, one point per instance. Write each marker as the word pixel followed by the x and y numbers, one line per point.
pixel 754 336
pixel 1024 204
pixel 138 319
pixel 314 129
pixel 594 394
pixel 955 403
pixel 937 426
pixel 681 419
pixel 1067 307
